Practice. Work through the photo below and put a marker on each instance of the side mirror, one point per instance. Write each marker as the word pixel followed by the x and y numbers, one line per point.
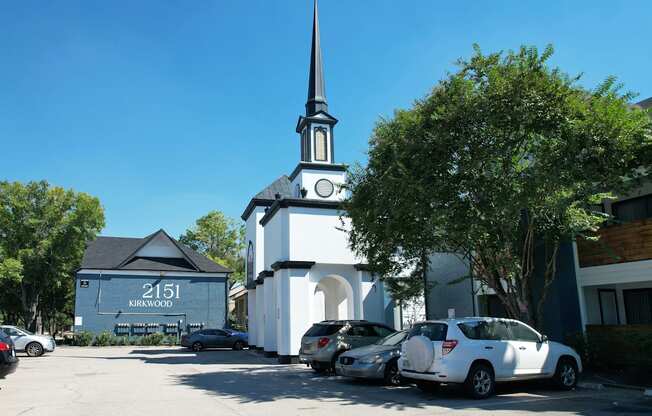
pixel 544 338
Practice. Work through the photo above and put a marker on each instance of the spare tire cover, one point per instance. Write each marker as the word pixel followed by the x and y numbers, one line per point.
pixel 420 353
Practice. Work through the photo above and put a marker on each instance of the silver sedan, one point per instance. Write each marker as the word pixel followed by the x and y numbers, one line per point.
pixel 32 344
pixel 375 361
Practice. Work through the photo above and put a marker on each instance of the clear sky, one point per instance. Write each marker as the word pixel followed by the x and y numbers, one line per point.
pixel 168 109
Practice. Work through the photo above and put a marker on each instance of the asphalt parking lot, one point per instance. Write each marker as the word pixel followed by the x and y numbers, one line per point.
pixel 171 381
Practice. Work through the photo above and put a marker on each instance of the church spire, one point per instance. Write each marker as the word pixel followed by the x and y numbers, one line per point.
pixel 316 85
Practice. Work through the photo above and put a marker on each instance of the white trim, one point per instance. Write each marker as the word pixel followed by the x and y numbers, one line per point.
pixel 151 273
pixel 633 272
pixel 580 288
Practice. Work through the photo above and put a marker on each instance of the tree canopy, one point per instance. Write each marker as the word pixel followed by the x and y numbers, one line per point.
pixel 505 158
pixel 219 238
pixel 43 234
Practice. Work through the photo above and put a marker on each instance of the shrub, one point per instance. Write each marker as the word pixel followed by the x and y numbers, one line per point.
pixel 152 339
pixel 103 339
pixel 83 338
pixel 119 340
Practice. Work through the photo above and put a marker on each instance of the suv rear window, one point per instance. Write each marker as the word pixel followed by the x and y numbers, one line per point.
pixel 322 330
pixel 485 330
pixel 433 331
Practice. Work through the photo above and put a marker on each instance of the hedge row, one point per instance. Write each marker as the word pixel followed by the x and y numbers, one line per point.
pixel 106 338
pixel 615 347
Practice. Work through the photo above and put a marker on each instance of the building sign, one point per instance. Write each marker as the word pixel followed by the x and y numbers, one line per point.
pixel 156 296
pixel 83 283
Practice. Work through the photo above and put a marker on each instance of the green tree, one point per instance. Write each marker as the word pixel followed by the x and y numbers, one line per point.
pixel 504 159
pixel 43 234
pixel 221 239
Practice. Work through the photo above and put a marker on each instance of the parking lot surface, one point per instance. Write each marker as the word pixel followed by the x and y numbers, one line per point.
pixel 171 381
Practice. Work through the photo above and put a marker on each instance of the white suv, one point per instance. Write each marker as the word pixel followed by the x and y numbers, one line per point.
pixel 478 352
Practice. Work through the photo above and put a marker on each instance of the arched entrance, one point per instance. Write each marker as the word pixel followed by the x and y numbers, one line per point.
pixel 333 299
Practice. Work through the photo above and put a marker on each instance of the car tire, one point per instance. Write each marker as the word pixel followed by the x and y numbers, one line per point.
pixel 197 346
pixel 336 357
pixel 238 346
pixel 566 374
pixel 34 349
pixel 427 386
pixel 317 368
pixel 480 382
pixel 392 376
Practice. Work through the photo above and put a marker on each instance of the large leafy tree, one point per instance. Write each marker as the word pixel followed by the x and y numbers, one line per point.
pixel 221 239
pixel 43 234
pixel 502 161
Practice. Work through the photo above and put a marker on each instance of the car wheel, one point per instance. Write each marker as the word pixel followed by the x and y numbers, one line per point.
pixel 336 357
pixel 34 349
pixel 392 375
pixel 318 368
pixel 197 346
pixel 566 374
pixel 480 383
pixel 239 345
pixel 427 386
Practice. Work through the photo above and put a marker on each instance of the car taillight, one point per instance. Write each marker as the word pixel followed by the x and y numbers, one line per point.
pixel 448 346
pixel 323 342
pixel 4 346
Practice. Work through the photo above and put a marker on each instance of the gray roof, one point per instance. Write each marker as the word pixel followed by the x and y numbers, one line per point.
pixel 316 83
pixel 119 253
pixel 645 104
pixel 281 186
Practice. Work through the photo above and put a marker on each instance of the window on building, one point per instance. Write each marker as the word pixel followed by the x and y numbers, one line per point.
pixel 608 303
pixel 320 144
pixel 250 263
pixel 633 209
pixel 638 306
pixel 305 146
pixel 490 305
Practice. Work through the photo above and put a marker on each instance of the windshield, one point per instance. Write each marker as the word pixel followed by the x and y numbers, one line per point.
pixel 393 339
pixel 25 331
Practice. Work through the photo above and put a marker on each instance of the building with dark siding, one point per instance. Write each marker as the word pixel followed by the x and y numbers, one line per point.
pixel 137 286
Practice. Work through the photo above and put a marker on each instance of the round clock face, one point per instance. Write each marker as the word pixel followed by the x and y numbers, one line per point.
pixel 324 188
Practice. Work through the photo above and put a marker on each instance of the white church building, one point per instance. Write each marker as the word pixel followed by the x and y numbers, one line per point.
pixel 300 269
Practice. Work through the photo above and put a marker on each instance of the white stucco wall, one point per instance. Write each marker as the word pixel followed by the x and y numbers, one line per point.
pixel 314 236
pixel 270 315
pixel 307 179
pixel 260 316
pixel 255 233
pixel 276 239
pixel 251 314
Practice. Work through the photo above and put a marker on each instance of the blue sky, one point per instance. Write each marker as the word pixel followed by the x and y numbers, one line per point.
pixel 168 109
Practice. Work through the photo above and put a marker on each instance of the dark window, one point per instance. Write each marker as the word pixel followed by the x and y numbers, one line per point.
pixel 608 302
pixel 382 331
pixel 633 209
pixel 638 306
pixel 486 330
pixel 322 330
pixel 521 332
pixel 361 331
pixel 490 305
pixel 250 263
pixel 433 331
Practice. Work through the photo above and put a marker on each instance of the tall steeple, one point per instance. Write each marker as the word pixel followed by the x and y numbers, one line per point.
pixel 316 85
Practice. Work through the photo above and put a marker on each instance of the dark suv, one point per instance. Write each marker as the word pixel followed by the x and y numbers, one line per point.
pixel 8 360
pixel 326 340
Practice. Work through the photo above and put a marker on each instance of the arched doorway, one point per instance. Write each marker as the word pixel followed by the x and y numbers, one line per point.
pixel 333 299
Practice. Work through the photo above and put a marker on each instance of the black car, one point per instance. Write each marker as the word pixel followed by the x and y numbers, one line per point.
pixel 215 338
pixel 8 360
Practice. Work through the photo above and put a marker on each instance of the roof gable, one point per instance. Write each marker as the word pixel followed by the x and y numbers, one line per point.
pixel 157 251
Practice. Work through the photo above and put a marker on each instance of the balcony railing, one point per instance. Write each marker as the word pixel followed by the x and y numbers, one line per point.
pixel 620 243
